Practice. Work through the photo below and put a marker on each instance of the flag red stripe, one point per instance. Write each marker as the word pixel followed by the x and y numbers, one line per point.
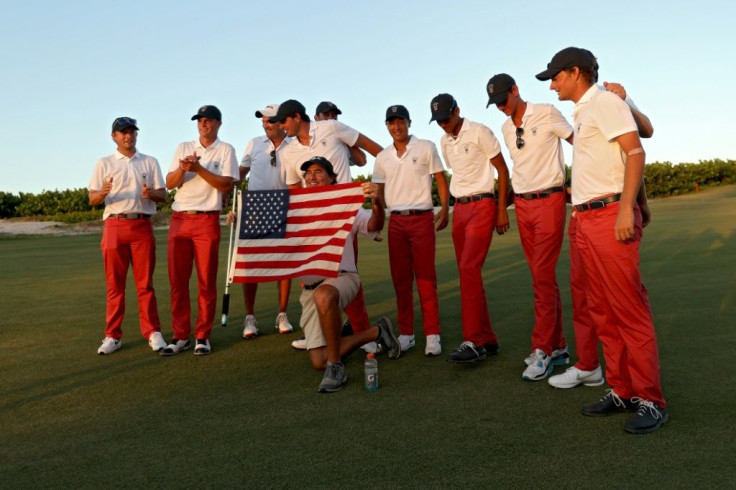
pixel 298 220
pixel 249 250
pixel 285 264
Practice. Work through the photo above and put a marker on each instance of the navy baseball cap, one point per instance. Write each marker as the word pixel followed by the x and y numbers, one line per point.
pixel 327 106
pixel 498 88
pixel 568 58
pixel 124 122
pixel 287 108
pixel 322 162
pixel 208 112
pixel 442 106
pixel 397 111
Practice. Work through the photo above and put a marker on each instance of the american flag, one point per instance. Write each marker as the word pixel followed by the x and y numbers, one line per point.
pixel 292 233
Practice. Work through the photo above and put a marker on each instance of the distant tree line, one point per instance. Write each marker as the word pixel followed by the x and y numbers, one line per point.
pixel 662 178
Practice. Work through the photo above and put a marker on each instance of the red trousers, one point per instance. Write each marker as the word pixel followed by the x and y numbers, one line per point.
pixel 126 242
pixel 473 224
pixel 586 339
pixel 193 238
pixel 541 228
pixel 411 252
pixel 619 304
pixel 356 310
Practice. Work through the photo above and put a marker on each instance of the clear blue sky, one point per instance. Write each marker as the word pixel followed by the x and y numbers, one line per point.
pixel 70 68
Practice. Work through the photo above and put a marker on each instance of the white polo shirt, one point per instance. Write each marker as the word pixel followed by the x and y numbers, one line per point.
pixel 257 157
pixel 598 163
pixel 328 140
pixel 347 262
pixel 540 163
pixel 128 176
pixel 195 194
pixel 408 179
pixel 469 156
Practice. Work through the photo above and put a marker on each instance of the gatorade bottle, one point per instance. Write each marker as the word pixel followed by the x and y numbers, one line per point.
pixel 371 372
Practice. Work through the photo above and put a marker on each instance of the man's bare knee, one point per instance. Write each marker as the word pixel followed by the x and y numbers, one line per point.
pixel 318 358
pixel 326 297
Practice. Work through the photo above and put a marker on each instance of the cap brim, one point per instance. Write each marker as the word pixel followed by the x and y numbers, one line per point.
pixel 259 114
pixel 498 98
pixel 126 126
pixel 440 116
pixel 278 118
pixel 196 117
pixel 548 74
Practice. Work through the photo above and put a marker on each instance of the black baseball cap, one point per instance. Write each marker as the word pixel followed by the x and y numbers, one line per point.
pixel 498 88
pixel 442 106
pixel 322 162
pixel 124 122
pixel 287 108
pixel 327 106
pixel 568 58
pixel 397 111
pixel 208 112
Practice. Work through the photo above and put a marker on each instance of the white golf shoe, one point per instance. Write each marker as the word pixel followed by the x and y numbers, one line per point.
pixel 282 323
pixel 573 377
pixel 250 327
pixel 109 345
pixel 433 347
pixel 300 344
pixel 540 368
pixel 406 342
pixel 157 342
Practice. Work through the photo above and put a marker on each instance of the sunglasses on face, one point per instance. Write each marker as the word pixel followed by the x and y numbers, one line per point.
pixel 519 140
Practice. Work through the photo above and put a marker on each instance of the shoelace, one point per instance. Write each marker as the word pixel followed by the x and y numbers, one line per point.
pixel 645 405
pixel 616 399
pixel 467 345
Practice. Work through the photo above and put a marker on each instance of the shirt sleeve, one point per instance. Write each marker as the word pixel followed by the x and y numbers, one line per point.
pixel 614 116
pixel 98 177
pixel 247 157
pixel 559 125
pixel 178 155
pixel 444 154
pixel 345 133
pixel 435 164
pixel 158 178
pixel 488 141
pixel 379 175
pixel 231 164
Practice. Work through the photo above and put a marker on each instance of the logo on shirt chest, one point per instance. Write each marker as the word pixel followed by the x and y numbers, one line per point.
pixel 414 160
pixel 577 128
pixel 324 143
pixel 466 149
pixel 534 131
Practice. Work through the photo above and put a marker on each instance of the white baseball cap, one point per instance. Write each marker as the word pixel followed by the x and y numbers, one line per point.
pixel 269 111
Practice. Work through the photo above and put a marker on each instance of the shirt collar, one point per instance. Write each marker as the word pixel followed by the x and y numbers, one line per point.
pixel 120 156
pixel 586 98
pixel 198 144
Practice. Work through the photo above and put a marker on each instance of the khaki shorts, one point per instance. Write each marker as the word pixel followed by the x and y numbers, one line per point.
pixel 347 284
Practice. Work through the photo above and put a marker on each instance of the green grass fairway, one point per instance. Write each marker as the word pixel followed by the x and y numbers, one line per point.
pixel 250 416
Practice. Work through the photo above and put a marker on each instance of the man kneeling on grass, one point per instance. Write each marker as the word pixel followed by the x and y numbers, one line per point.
pixel 323 299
